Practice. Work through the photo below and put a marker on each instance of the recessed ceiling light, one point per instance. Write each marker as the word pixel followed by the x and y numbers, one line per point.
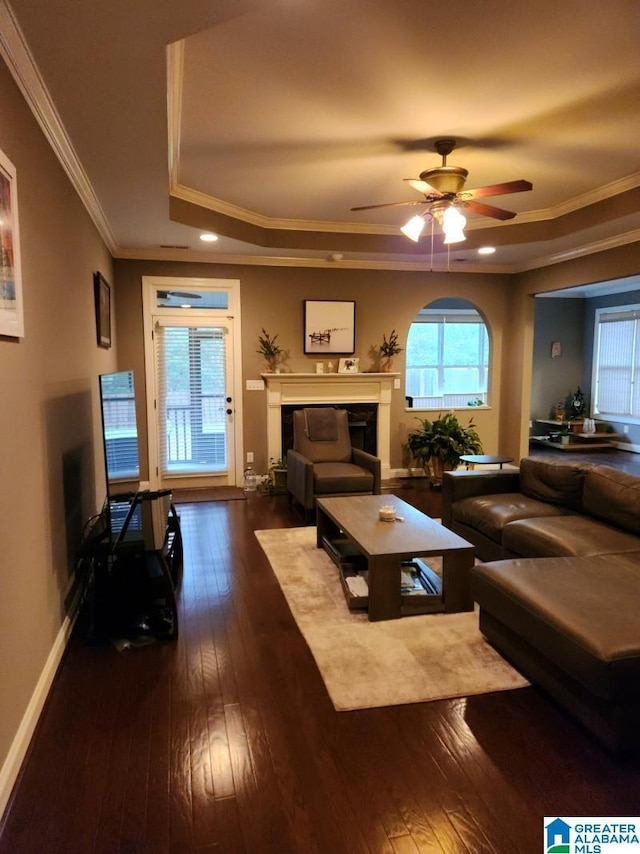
pixel 486 250
pixel 208 237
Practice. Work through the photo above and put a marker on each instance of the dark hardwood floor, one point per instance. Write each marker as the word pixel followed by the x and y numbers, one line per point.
pixel 226 741
pixel 626 461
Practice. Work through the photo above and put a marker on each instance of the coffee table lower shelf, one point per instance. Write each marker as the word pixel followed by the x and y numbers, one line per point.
pixel 422 596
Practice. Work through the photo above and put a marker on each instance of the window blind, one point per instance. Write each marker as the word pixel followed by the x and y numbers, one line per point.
pixel 617 363
pixel 191 408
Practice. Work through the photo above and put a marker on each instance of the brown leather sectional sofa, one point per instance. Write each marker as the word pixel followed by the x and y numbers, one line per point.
pixel 559 593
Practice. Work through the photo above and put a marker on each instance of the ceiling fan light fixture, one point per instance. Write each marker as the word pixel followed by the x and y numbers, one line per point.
pixel 453 223
pixel 445 179
pixel 454 237
pixel 414 228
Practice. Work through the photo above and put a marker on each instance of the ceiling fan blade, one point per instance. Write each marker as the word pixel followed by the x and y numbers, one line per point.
pixel 422 186
pixel 489 210
pixel 497 189
pixel 388 205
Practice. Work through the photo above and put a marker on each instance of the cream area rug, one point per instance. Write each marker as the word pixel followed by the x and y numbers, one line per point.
pixel 364 665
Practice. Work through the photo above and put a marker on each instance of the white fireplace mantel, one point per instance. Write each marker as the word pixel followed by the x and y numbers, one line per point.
pixel 301 389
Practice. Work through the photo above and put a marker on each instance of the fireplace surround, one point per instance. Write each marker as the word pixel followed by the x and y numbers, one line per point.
pixel 366 396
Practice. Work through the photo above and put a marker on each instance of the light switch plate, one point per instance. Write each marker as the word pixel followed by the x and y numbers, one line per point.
pixel 396 382
pixel 255 385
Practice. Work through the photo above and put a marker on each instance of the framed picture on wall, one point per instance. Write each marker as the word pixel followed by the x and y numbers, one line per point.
pixel 11 314
pixel 329 326
pixel 102 294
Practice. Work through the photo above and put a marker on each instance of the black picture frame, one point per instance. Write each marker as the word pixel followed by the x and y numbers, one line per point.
pixel 102 296
pixel 329 326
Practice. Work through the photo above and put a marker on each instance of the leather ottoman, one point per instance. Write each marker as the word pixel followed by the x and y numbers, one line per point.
pixel 571 626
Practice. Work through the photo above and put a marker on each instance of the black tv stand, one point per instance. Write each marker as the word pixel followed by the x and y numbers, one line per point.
pixel 135 552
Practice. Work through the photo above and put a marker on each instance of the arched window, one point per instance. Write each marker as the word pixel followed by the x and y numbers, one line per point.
pixel 447 356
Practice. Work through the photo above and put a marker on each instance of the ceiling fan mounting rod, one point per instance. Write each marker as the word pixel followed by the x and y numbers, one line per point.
pixel 444 147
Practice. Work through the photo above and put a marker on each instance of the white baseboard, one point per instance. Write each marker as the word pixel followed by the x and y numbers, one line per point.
pixel 18 750
pixel 626 446
pixel 418 473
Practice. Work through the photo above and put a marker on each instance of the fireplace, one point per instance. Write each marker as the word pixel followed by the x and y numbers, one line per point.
pixel 366 396
pixel 362 418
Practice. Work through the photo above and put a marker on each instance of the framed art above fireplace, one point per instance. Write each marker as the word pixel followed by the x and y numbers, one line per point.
pixel 329 326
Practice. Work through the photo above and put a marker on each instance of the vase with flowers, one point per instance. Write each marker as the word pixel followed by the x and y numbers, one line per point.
pixel 388 349
pixel 270 351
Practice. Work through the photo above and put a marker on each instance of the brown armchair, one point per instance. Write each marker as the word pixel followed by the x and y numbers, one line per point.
pixel 323 462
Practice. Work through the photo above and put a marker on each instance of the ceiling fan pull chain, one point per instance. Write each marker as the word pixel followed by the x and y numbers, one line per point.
pixel 431 258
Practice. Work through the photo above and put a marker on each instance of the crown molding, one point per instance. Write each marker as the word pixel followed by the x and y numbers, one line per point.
pixel 204 200
pixel 175 81
pixel 424 266
pixel 15 52
pixel 598 194
pixel 192 256
pixel 603 245
pixel 211 203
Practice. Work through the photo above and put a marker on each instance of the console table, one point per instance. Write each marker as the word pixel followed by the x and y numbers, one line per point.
pixel 134 550
pixel 577 440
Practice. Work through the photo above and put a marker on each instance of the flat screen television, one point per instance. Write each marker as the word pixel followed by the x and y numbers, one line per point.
pixel 120 432
pixel 127 518
pixel 121 453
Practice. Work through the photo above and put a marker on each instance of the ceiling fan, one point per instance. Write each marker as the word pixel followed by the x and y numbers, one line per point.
pixel 443 190
pixel 178 295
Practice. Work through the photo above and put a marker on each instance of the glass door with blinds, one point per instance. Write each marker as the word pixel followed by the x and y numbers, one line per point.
pixel 191 396
pixel 193 404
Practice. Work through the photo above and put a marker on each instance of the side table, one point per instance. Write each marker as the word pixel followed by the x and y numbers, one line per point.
pixel 485 459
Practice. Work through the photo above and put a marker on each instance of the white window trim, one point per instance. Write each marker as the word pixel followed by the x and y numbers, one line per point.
pixel 459 315
pixel 151 284
pixel 632 312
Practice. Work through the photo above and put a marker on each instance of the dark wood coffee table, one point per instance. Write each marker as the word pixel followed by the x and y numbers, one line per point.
pixel 385 545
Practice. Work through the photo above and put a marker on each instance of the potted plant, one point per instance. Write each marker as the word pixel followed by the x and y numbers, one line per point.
pixel 271 351
pixel 276 482
pixel 439 444
pixel 564 434
pixel 388 349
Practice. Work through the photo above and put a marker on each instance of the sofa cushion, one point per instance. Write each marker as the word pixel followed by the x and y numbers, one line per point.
pixel 556 483
pixel 581 614
pixel 578 535
pixel 336 478
pixel 490 513
pixel 613 496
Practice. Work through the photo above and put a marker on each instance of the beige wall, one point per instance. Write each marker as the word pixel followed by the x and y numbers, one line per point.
pixel 273 297
pixel 51 459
